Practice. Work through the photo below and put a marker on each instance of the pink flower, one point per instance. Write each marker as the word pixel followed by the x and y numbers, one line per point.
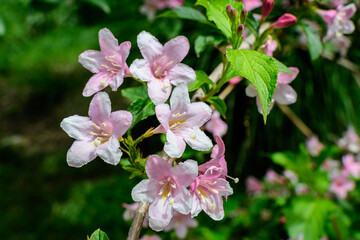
pixel 150 237
pixel 129 213
pixel 338 21
pixel 207 191
pixel 108 65
pixel 180 223
pixel 301 189
pixel 270 47
pixel 341 185
pixel 285 21
pixel 330 165
pixel 253 186
pixel 165 190
pixel 251 4
pixel 217 159
pixel 341 44
pixel 150 6
pixel 161 67
pixel 267 7
pixel 350 141
pixel 314 146
pixel 351 166
pixel 235 80
pixel 182 123
pixel 97 135
pixel 272 177
pixel 284 94
pixel 216 125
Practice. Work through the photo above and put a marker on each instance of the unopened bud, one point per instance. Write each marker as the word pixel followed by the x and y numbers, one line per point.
pixel 285 21
pixel 231 12
pixel 240 29
pixel 243 15
pixel 266 8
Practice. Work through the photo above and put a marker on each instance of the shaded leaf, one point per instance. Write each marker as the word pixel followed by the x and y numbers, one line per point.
pixel 141 109
pixel 219 104
pixel 99 235
pixel 201 78
pixel 313 41
pixel 102 4
pixel 282 67
pixel 135 93
pixel 202 41
pixel 185 13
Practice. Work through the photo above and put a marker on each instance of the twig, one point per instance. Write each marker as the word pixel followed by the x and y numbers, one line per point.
pixel 296 120
pixel 136 224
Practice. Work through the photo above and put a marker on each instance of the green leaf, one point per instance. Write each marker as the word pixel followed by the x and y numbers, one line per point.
pixel 201 78
pixel 308 215
pixel 216 12
pixel 98 235
pixel 141 109
pixel 202 41
pixel 185 13
pixel 102 4
pixel 260 70
pixel 135 93
pixel 2 27
pixel 282 67
pixel 313 41
pixel 219 104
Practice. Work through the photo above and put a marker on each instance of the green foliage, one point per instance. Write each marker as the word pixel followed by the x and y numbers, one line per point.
pixel 260 70
pixel 282 67
pixel 187 13
pixel 98 235
pixel 202 41
pixel 135 93
pixel 219 105
pixel 141 109
pixel 313 41
pixel 201 78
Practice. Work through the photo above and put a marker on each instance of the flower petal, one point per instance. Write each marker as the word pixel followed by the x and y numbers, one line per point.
pixel 285 94
pixel 100 108
pixel 159 90
pixel 149 46
pixel 124 51
pixel 197 139
pixel 163 114
pixel 185 172
pixel 92 60
pixel 348 11
pixel 182 201
pixel 140 69
pixel 121 121
pixel 77 127
pixel 96 83
pixel 109 151
pixel 175 145
pixel 177 48
pixel 156 167
pixel 196 206
pixel 250 90
pixel 180 100
pixel 144 191
pixel 80 153
pixel 181 74
pixel 198 114
pixel 160 214
pixel 108 43
pixel 116 81
pixel 286 78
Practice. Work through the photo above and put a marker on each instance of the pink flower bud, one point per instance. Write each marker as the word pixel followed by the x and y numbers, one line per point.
pixel 266 8
pixel 285 21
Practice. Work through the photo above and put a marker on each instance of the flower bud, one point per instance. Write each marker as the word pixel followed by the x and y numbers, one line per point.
pixel 243 15
pixel 240 29
pixel 231 12
pixel 266 8
pixel 285 21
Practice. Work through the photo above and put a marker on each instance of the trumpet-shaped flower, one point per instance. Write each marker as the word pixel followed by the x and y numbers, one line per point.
pixel 182 123
pixel 129 213
pixel 161 67
pixel 341 184
pixel 314 146
pixel 251 4
pixel 351 165
pixel 165 190
pixel 97 135
pixel 208 190
pixel 180 223
pixel 108 65
pixel 284 94
pixel 150 6
pixel 216 125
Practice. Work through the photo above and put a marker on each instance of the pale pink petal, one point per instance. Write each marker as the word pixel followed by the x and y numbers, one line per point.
pixel 197 139
pixel 328 15
pixel 181 74
pixel 159 91
pixel 160 214
pixel 196 206
pixel 100 108
pixel 250 91
pixel 181 231
pixel 163 114
pixel 286 78
pixel 251 4
pixel 117 80
pixel 346 27
pixel 140 69
pixel 285 94
pixel 156 167
pixel 175 146
pixel 180 99
pixel 80 153
pixel 124 50
pixel 348 11
pixel 96 83
pixel 121 121
pixel 176 49
pixel 198 114
pixel 77 127
pixel 185 172
pixel 175 3
pixel 92 60
pixel 108 43
pixel 109 151
pixel 144 191
pixel 149 46
pixel 182 201
pixel 221 147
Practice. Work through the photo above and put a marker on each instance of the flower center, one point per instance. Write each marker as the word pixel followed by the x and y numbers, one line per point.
pixel 112 67
pixel 177 121
pixel 101 133
pixel 166 189
pixel 160 67
pixel 204 190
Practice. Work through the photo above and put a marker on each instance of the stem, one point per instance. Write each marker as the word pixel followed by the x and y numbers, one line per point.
pixel 136 224
pixel 296 120
pixel 221 82
pixel 336 227
pixel 147 134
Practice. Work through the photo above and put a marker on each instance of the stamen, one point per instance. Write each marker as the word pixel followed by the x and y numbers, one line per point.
pixel 177 115
pixel 213 190
pixel 163 58
pixel 212 207
pixel 193 135
pixel 155 63
pixel 161 183
pixel 236 180
pixel 173 186
pixel 102 83
pixel 166 85
pixel 96 126
pixel 169 63
pixel 171 201
pixel 104 124
pixel 97 142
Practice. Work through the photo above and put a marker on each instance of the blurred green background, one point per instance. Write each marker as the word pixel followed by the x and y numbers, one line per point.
pixel 41 82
